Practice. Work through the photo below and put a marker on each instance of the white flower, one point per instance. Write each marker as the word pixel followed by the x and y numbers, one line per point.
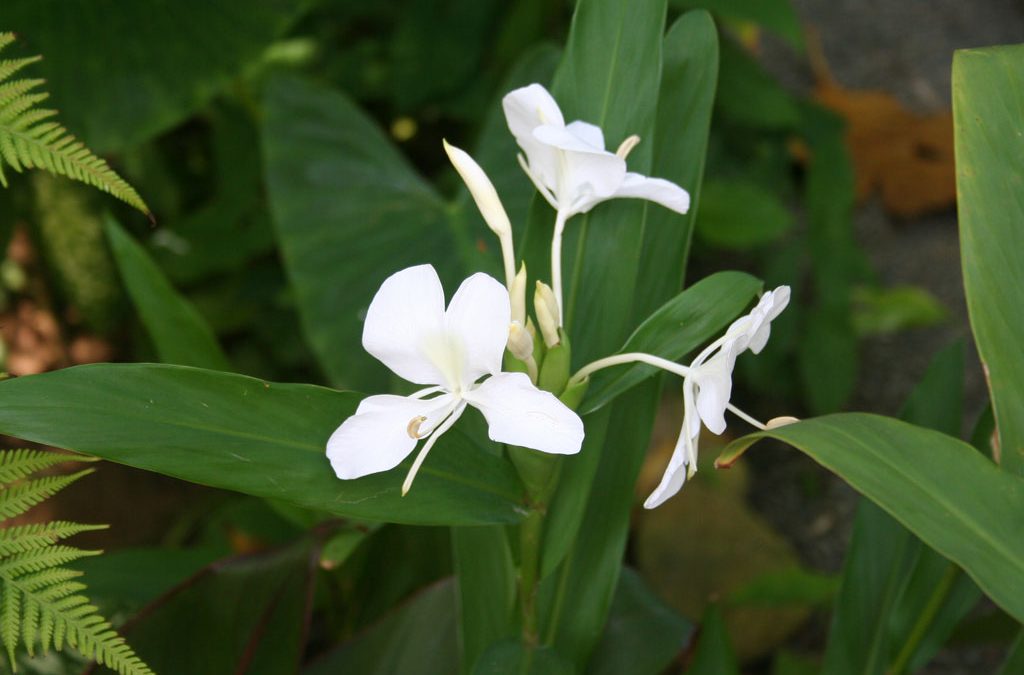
pixel 408 329
pixel 569 163
pixel 707 387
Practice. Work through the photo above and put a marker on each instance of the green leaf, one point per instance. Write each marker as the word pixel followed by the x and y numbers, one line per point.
pixel 246 614
pixel 418 637
pixel 674 330
pixel 777 16
pixel 750 97
pixel 642 635
pixel 180 334
pixel 739 214
pixel 714 654
pixel 939 488
pixel 1015 658
pixel 880 311
pixel 486 588
pixel 788 586
pixel 987 108
pixel 248 435
pixel 123 71
pixel 349 211
pixel 513 658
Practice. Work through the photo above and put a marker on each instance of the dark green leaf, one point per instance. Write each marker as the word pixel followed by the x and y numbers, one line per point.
pixel 180 334
pixel 248 435
pixel 714 654
pixel 512 658
pixel 750 97
pixel 122 71
pixel 775 15
pixel 486 588
pixel 880 311
pixel 1015 658
pixel 988 104
pixel 739 214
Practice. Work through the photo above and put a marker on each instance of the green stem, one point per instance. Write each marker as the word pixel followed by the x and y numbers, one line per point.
pixel 530 533
pixel 925 620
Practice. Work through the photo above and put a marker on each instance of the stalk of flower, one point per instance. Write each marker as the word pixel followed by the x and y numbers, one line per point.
pixel 707 387
pixel 457 353
pixel 572 170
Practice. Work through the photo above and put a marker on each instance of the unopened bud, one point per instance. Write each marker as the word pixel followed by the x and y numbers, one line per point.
pixel 480 186
pixel 520 342
pixel 776 422
pixel 627 146
pixel 517 295
pixel 546 308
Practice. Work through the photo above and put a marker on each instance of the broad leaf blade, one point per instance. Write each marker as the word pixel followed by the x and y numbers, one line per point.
pixel 349 211
pixel 988 104
pixel 244 434
pixel 941 489
pixel 180 334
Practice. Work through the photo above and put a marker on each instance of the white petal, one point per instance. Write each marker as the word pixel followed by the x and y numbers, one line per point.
pixel 525 110
pixel 519 413
pixel 377 437
pixel 406 314
pixel 589 133
pixel 657 190
pixel 714 387
pixel 768 308
pixel 477 321
pixel 682 464
pixel 588 175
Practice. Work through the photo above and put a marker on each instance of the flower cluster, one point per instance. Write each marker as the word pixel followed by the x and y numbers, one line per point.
pixel 458 351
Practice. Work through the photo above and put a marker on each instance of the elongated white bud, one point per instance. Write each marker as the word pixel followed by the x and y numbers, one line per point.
pixel 776 422
pixel 546 308
pixel 517 295
pixel 520 342
pixel 480 186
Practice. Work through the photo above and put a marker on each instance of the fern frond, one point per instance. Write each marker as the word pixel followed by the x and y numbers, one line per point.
pixel 29 141
pixel 42 604
pixel 24 538
pixel 16 464
pixel 20 498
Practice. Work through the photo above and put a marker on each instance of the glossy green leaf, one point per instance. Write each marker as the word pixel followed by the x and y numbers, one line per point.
pixel 642 636
pixel 714 654
pixel 418 637
pixel 939 488
pixel 739 214
pixel 180 334
pixel 247 614
pixel 122 71
pixel 349 211
pixel 988 104
pixel 248 435
pixel 777 16
pixel 681 325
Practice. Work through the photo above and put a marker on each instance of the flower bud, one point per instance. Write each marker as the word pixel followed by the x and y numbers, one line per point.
pixel 480 186
pixel 546 307
pixel 776 422
pixel 517 295
pixel 520 342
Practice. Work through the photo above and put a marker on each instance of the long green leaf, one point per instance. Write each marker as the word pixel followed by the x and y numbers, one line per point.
pixel 941 489
pixel 988 104
pixel 349 211
pixel 180 334
pixel 122 71
pixel 248 435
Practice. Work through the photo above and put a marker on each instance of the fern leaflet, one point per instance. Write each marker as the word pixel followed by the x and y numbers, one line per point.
pixel 41 601
pixel 30 137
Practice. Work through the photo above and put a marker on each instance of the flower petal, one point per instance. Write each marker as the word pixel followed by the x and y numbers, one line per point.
pixel 519 413
pixel 589 175
pixel 526 109
pixel 768 308
pixel 406 314
pixel 682 465
pixel 377 437
pixel 588 133
pixel 657 190
pixel 477 321
pixel 714 387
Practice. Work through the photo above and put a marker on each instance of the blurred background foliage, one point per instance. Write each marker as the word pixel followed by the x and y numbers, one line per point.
pixel 180 100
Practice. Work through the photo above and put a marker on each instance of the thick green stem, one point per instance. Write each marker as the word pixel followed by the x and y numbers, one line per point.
pixel 530 534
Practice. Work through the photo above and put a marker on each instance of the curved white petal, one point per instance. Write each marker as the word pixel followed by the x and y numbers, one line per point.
pixel 406 314
pixel 657 190
pixel 768 308
pixel 519 413
pixel 526 109
pixel 589 133
pixel 477 323
pixel 564 138
pixel 377 437
pixel 588 175
pixel 682 465
pixel 714 387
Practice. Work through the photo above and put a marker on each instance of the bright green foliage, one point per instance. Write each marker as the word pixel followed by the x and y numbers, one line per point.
pixel 41 601
pixel 31 139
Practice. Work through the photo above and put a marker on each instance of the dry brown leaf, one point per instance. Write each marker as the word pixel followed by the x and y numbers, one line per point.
pixel 905 156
